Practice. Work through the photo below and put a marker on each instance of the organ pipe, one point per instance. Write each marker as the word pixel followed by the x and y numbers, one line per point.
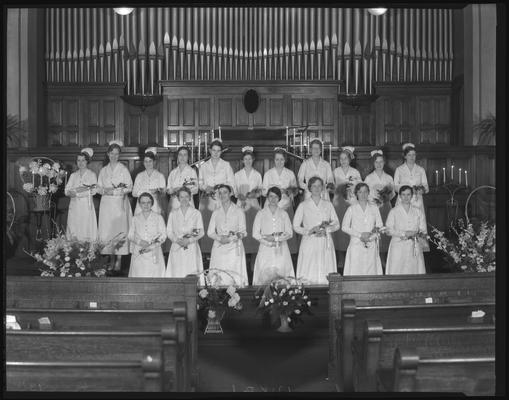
pixel 247 43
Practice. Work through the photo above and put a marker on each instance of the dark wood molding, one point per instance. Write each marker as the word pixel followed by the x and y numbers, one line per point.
pixel 83 89
pixel 416 88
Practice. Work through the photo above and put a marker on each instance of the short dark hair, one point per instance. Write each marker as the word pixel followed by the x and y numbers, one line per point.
pixel 85 156
pixel 347 153
pixel 146 194
pixel 406 187
pixel 224 185
pixel 312 180
pixel 247 153
pixel 109 150
pixel 183 189
pixel 316 141
pixel 187 149
pixel 216 142
pixel 376 155
pixel 149 154
pixel 280 151
pixel 408 149
pixel 359 186
pixel 276 191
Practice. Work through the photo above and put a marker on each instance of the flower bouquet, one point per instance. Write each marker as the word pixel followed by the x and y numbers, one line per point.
pixel 215 301
pixel 419 189
pixel 471 250
pixel 375 235
pixel 152 245
pixel 384 195
pixel 70 257
pixel 330 187
pixel 284 300
pixel 291 191
pixel 344 189
pixel 189 182
pixel 195 232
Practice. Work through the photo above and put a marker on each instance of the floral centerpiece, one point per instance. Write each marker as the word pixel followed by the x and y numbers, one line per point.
pixel 215 300
pixel 70 257
pixel 42 179
pixel 471 250
pixel 285 300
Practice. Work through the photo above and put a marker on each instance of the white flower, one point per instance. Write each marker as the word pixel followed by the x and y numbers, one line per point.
pixel 67 258
pixel 22 169
pixel 53 188
pixel 232 302
pixel 309 304
pixel 211 314
pixel 28 187
pixel 46 166
pixel 305 297
pixel 42 190
pixel 285 303
pixel 56 166
pixel 293 297
pixel 289 319
pixel 203 293
pixel 288 286
pixel 230 290
pixel 297 311
pixel 271 300
pixel 77 274
pixel 62 274
pixel 266 303
pixel 275 293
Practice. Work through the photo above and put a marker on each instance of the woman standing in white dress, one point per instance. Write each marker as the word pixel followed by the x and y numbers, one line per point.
pixel 345 177
pixel 377 181
pixel 149 181
pixel 315 166
pixel 248 187
pixel 403 224
pixel 115 214
pixel 411 174
pixel 362 256
pixel 285 180
pixel 272 228
pixel 227 228
pixel 81 186
pixel 315 219
pixel 147 233
pixel 182 175
pixel 212 173
pixel 184 229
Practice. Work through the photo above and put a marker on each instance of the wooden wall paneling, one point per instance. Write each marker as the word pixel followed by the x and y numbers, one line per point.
pixel 133 128
pixel 204 112
pixel 109 118
pixel 224 112
pixel 260 115
pixel 92 122
pixel 296 106
pixel 356 126
pixel 275 109
pixel 242 117
pixel 443 121
pixel 55 120
pixel 71 117
pixel 426 118
pixel 188 112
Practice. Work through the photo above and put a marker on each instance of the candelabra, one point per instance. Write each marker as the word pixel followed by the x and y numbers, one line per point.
pixel 452 205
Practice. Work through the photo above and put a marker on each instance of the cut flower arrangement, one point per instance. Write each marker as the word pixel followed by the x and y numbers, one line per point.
pixel 471 250
pixel 42 178
pixel 284 297
pixel 69 257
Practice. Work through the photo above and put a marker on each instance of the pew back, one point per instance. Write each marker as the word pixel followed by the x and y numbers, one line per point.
pixel 473 376
pixel 401 290
pixel 26 292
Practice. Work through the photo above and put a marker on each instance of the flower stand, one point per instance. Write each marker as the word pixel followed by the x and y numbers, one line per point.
pixel 214 324
pixel 284 327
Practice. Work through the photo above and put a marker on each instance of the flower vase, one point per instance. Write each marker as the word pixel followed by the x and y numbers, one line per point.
pixel 284 327
pixel 214 322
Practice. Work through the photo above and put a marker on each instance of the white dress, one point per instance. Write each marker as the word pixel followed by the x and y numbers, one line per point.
pixel 317 257
pixel 359 259
pixel 308 169
pixel 143 183
pixel 115 212
pixel 81 217
pixel 210 176
pixel 181 261
pixel 149 264
pixel 243 185
pixel 403 176
pixel 176 180
pixel 229 257
pixel 341 239
pixel 272 259
pixel 405 256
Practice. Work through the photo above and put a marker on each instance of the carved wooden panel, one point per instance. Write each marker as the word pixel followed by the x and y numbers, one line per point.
pixel 187 112
pixel 101 119
pixel 356 126
pixel 225 111
pixel 260 116
pixel 63 121
pixel 276 107
pixel 241 115
pixel 203 109
pixel 173 112
pixel 297 111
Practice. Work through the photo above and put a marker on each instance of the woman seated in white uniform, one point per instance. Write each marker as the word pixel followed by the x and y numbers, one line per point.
pixel 184 229
pixel 146 234
pixel 404 223
pixel 362 255
pixel 315 219
pixel 272 228
pixel 227 228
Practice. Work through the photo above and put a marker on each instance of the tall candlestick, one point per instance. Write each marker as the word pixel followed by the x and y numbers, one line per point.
pixel 459 175
pixel 294 139
pixel 192 150
pixel 443 171
pixel 309 149
pixel 452 173
pixel 287 138
pixel 301 143
pixel 220 134
pixel 199 146
pixel 436 177
pixel 33 178
pixel 330 154
pixel 466 178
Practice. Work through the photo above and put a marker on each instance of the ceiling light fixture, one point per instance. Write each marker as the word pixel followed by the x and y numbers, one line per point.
pixel 377 11
pixel 123 10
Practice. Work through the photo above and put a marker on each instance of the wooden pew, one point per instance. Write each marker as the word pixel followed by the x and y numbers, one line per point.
pixel 144 375
pixel 97 346
pixel 471 375
pixel 374 353
pixel 396 290
pixel 351 328
pixel 110 294
pixel 121 320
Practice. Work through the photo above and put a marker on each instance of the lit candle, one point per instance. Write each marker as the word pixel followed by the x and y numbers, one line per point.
pixel 459 175
pixel 330 154
pixel 443 171
pixel 192 150
pixel 436 177
pixel 33 178
pixel 199 146
pixel 287 138
pixel 220 133
pixel 301 143
pixel 466 178
pixel 294 139
pixel 452 173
